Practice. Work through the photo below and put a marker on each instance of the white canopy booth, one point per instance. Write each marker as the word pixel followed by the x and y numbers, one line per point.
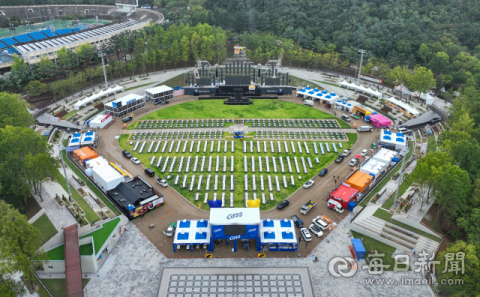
pixel 101 94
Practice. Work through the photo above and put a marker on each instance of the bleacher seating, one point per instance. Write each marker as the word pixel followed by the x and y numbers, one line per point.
pixel 23 38
pixel 49 33
pixel 3 45
pixel 76 29
pixel 9 41
pixel 37 35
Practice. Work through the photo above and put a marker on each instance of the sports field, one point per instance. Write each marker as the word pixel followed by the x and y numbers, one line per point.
pixel 260 109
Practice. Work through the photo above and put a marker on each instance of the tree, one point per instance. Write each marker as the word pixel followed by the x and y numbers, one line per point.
pixel 40 168
pixel 471 225
pixel 20 242
pixel 400 75
pixel 45 68
pixel 16 143
pixel 185 46
pixel 422 80
pixel 35 88
pixel 14 111
pixel 471 263
pixel 174 53
pixel 10 287
pixel 132 65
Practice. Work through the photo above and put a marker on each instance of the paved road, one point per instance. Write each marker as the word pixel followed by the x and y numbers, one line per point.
pixel 109 148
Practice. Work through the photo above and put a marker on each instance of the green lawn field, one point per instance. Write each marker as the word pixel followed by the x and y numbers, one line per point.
pixel 260 109
pixel 238 173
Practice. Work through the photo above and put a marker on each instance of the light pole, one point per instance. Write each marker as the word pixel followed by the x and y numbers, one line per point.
pixel 10 26
pixel 361 51
pixel 60 147
pixel 28 22
pixel 404 154
pixel 104 71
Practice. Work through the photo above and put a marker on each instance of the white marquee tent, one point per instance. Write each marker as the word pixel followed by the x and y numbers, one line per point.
pixel 101 94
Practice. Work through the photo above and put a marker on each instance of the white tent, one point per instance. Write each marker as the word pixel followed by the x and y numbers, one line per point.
pixel 403 105
pixel 102 93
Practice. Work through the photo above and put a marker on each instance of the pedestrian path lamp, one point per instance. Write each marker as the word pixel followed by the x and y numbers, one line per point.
pixel 60 148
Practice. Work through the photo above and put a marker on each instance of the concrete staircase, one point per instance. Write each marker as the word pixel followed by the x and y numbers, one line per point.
pixel 391 234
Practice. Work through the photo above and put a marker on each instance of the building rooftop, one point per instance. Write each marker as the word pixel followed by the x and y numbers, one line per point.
pixel 131 193
pixel 159 89
pixel 125 100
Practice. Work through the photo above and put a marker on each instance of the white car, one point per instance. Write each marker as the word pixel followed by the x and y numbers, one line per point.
pixel 315 230
pixel 305 234
pixel 364 153
pixel 135 160
pixel 320 224
pixel 308 184
pixel 353 162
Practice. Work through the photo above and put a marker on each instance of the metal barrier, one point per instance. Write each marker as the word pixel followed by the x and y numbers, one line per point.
pixel 43 284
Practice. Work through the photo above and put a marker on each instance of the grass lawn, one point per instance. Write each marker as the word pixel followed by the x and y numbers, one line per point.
pixel 47 229
pixel 327 83
pixel 71 113
pixel 386 216
pixel 90 185
pixel 176 81
pixel 57 286
pixel 432 144
pixel 90 214
pixel 57 253
pixel 239 173
pixel 86 249
pixel 215 109
pixel 101 235
pixel 381 248
pixel 379 186
pixel 136 87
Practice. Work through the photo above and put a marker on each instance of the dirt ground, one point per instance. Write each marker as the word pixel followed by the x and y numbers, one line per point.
pixel 178 208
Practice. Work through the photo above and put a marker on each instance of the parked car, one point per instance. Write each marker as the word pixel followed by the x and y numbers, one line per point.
pixel 320 224
pixel 246 244
pixel 345 118
pixel 308 184
pixel 305 234
pixel 149 172
pixel 339 159
pixel 297 221
pixel 364 153
pixel 127 119
pixel 162 182
pixel 283 204
pixel 127 154
pixel 353 162
pixel 135 160
pixel 323 172
pixel 354 116
pixel 315 230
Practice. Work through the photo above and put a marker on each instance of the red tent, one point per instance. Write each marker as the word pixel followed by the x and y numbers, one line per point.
pixel 344 194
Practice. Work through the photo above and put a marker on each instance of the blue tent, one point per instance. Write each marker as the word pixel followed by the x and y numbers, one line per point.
pixel 183 236
pixel 287 235
pixel 316 90
pixel 268 223
pixel 333 94
pixel 202 224
pixel 400 134
pixel 285 224
pixel 328 97
pixel 387 133
pixel 324 92
pixel 201 235
pixel 386 137
pixel 215 204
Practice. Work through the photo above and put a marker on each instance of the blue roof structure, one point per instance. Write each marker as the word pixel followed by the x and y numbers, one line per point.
pixel 269 235
pixel 9 41
pixel 400 134
pixel 75 140
pixel 88 139
pixel 287 235
pixel 183 236
pixel 267 223
pixel 23 38
pixel 49 33
pixel 387 132
pixel 202 224
pixel 200 235
pixel 184 224
pixel 285 224
pixel 37 35
pixel 2 45
pixel 324 92
pixel 77 134
pixel 89 133
pixel 387 137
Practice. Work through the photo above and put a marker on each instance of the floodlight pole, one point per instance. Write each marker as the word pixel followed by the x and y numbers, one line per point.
pixel 405 151
pixel 65 172
pixel 10 26
pixel 104 71
pixel 361 51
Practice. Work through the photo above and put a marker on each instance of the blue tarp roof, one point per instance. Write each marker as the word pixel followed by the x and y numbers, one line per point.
pixel 201 224
pixel 269 235
pixel 302 90
pixel 316 90
pixel 267 223
pixel 77 135
pixel 328 97
pixel 89 133
pixel 311 92
pixel 185 224
pixel 88 139
pixel 387 133
pixel 201 235
pixel 400 140
pixel 287 235
pixel 386 137
pixel 400 134
pixel 324 92
pixel 75 140
pixel 333 94
pixel 183 236
pixel 285 224
pixel 308 88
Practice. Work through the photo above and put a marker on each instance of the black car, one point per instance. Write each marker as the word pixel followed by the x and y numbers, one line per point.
pixel 150 172
pixel 297 221
pixel 246 245
pixel 127 119
pixel 283 204
pixel 339 159
pixel 323 172
pixel 127 154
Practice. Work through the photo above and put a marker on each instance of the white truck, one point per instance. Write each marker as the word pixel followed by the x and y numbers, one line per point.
pixel 307 206
pixel 335 205
pixel 365 129
pixel 170 230
pixel 346 152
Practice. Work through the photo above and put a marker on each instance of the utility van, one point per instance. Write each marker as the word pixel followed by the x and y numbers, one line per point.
pixel 308 102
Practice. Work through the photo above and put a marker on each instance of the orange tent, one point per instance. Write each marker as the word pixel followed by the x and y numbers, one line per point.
pixel 85 153
pixel 359 181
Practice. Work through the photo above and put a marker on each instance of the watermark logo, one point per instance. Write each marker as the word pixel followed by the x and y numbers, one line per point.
pixel 342 267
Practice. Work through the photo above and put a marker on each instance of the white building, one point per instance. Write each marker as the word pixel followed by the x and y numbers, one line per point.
pixel 125 105
pixel 104 175
pixel 100 121
pixel 396 141
pixel 159 94
pixel 385 156
pixel 373 167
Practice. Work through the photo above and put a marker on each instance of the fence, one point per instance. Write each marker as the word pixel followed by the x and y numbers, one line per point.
pixel 43 284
